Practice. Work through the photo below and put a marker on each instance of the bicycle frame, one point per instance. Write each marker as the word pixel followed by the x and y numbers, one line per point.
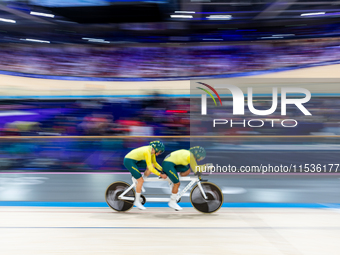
pixel 191 179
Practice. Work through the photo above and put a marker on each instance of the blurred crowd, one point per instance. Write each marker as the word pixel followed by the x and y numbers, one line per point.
pixel 133 117
pixel 165 60
pixel 22 121
pixel 154 116
pixel 114 118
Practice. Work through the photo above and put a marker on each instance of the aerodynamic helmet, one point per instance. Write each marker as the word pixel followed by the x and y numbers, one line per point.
pixel 198 152
pixel 158 146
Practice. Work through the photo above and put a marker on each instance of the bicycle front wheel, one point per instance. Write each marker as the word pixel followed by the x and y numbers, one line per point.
pixel 114 191
pixel 214 199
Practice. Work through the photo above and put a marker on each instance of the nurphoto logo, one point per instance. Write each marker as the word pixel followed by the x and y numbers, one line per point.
pixel 239 105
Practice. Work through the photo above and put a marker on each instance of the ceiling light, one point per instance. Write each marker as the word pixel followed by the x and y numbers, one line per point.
pixel 42 14
pixel 182 16
pixel 34 40
pixel 185 12
pixel 8 20
pixel 93 39
pixel 220 17
pixel 99 41
pixel 285 35
pixel 313 14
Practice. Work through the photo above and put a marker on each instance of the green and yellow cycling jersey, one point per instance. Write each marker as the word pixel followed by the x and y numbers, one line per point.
pixel 184 157
pixel 144 153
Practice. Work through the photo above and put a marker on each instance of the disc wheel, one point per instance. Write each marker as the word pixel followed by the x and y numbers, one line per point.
pixel 214 199
pixel 114 191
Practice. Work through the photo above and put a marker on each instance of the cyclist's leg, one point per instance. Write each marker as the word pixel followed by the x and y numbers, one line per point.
pixel 186 173
pixel 170 170
pixel 131 165
pixel 142 164
pixel 175 188
pixel 147 173
pixel 183 170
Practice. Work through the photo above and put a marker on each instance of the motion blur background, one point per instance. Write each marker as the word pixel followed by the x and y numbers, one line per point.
pixel 84 82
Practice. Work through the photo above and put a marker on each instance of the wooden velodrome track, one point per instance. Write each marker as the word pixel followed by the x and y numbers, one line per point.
pixel 241 231
pixel 15 86
pixel 230 231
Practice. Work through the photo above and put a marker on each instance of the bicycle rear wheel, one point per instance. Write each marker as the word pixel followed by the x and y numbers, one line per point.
pixel 114 191
pixel 214 199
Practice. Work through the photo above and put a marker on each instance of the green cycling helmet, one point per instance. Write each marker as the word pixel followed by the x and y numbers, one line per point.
pixel 198 152
pixel 158 146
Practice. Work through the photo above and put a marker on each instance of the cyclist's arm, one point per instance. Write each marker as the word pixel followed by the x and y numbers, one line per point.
pixel 147 155
pixel 193 165
pixel 153 159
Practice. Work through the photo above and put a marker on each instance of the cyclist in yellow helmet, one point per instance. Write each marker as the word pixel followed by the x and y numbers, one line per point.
pixel 144 157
